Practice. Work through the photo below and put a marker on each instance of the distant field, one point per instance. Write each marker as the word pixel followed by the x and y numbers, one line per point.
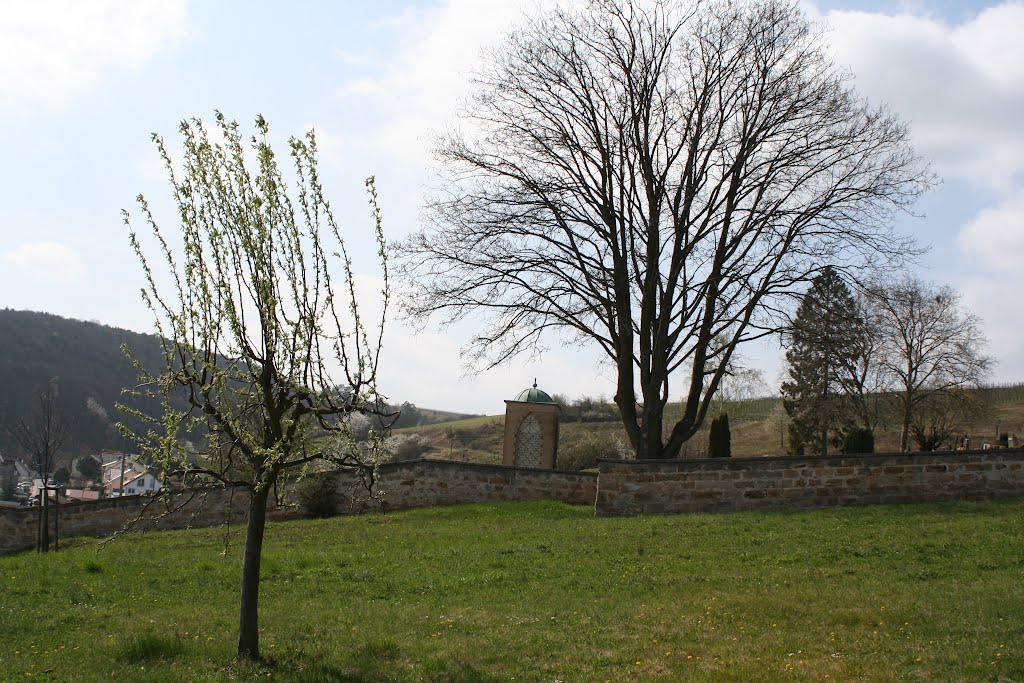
pixel 540 592
pixel 755 427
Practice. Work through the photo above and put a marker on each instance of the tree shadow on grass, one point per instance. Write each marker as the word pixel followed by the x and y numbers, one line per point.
pixel 149 647
pixel 378 662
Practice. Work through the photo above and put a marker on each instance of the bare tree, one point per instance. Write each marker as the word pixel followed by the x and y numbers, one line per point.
pixel 939 421
pixel 251 324
pixel 652 177
pixel 739 384
pixel 932 348
pixel 42 435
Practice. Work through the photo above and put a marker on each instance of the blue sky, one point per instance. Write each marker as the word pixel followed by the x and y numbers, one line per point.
pixel 83 84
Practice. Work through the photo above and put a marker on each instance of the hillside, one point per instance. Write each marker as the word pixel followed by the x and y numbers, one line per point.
pixel 88 364
pixel 91 372
pixel 757 428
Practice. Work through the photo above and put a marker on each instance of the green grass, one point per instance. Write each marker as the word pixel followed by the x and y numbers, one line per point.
pixel 540 592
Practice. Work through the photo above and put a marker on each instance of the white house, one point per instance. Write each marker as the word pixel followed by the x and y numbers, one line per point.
pixel 136 484
pixel 138 478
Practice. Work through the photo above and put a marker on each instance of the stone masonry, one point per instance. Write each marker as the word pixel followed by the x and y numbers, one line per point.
pixel 418 483
pixel 110 515
pixel 426 483
pixel 721 484
pixel 619 488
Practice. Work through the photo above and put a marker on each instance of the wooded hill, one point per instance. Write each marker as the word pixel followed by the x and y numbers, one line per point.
pixel 91 372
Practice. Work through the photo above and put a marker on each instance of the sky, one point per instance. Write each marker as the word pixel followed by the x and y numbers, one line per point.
pixel 84 84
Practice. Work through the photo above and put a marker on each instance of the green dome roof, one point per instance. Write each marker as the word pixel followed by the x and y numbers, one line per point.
pixel 533 395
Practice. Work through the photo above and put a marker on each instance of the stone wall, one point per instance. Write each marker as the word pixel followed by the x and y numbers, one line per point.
pixel 712 485
pixel 620 488
pixel 426 483
pixel 418 483
pixel 105 517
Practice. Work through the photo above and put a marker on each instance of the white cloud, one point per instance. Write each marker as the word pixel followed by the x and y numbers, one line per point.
pixel 993 242
pixel 52 50
pixel 993 299
pixel 961 87
pixel 996 235
pixel 46 262
pixel 423 84
pixel 427 369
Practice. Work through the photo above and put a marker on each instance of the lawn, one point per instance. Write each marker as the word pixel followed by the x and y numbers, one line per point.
pixel 540 592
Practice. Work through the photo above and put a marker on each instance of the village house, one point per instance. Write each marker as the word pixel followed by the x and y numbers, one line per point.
pixel 138 478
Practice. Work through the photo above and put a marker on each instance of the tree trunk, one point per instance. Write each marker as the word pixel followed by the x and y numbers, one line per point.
pixel 44 521
pixel 248 613
pixel 905 428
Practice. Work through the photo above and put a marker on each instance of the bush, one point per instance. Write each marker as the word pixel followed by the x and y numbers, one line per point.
pixel 586 409
pixel 719 438
pixel 62 475
pixel 88 467
pixel 859 440
pixel 318 495
pixel 584 452
pixel 405 447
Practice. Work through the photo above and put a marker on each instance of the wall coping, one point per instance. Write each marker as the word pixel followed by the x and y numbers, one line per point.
pixel 478 466
pixel 831 460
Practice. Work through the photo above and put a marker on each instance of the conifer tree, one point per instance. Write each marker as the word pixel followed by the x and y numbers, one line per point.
pixel 822 346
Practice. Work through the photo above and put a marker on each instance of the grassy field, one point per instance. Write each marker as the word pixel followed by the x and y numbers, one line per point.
pixel 540 592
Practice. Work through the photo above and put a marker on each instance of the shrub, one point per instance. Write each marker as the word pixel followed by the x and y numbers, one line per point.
pixel 318 495
pixel 405 447
pixel 62 475
pixel 859 440
pixel 719 438
pixel 584 452
pixel 88 467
